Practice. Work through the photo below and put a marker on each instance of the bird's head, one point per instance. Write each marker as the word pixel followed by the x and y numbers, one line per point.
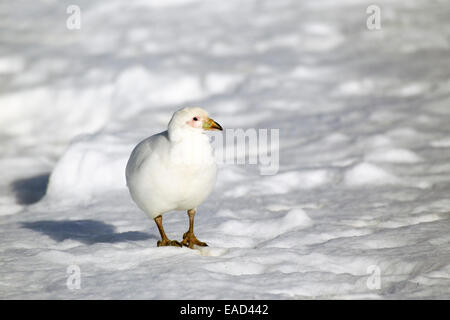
pixel 193 119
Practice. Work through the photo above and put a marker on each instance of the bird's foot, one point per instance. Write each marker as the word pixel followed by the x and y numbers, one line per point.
pixel 189 240
pixel 167 242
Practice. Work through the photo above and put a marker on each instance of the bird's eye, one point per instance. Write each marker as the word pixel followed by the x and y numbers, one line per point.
pixel 195 119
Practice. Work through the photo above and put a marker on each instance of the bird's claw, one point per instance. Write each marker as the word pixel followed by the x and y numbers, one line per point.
pixel 189 240
pixel 165 243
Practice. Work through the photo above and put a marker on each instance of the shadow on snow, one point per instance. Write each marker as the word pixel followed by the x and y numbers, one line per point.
pixel 85 231
pixel 30 190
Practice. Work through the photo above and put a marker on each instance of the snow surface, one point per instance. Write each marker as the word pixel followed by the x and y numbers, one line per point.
pixel 364 176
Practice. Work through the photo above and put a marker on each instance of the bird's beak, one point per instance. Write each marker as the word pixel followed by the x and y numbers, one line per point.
pixel 210 124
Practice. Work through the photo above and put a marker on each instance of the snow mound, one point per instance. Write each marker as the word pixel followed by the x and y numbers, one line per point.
pixel 442 143
pixel 368 174
pixel 92 164
pixel 267 228
pixel 72 112
pixel 283 183
pixel 393 156
pixel 137 87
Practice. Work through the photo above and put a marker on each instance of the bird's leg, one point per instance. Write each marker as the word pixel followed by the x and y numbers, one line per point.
pixel 189 238
pixel 164 240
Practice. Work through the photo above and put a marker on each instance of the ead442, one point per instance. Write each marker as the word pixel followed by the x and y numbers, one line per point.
pixel 246 309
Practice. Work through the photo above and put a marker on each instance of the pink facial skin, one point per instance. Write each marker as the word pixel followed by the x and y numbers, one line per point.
pixel 196 124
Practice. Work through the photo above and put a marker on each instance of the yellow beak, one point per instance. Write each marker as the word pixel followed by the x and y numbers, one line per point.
pixel 210 124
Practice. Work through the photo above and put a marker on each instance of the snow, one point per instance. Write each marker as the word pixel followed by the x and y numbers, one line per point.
pixel 364 148
pixel 366 173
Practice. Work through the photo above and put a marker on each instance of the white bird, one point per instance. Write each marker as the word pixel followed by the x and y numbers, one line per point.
pixel 174 170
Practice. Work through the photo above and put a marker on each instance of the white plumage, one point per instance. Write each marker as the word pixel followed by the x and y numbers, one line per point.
pixel 175 169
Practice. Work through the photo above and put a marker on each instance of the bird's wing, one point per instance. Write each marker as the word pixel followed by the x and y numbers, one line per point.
pixel 143 151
